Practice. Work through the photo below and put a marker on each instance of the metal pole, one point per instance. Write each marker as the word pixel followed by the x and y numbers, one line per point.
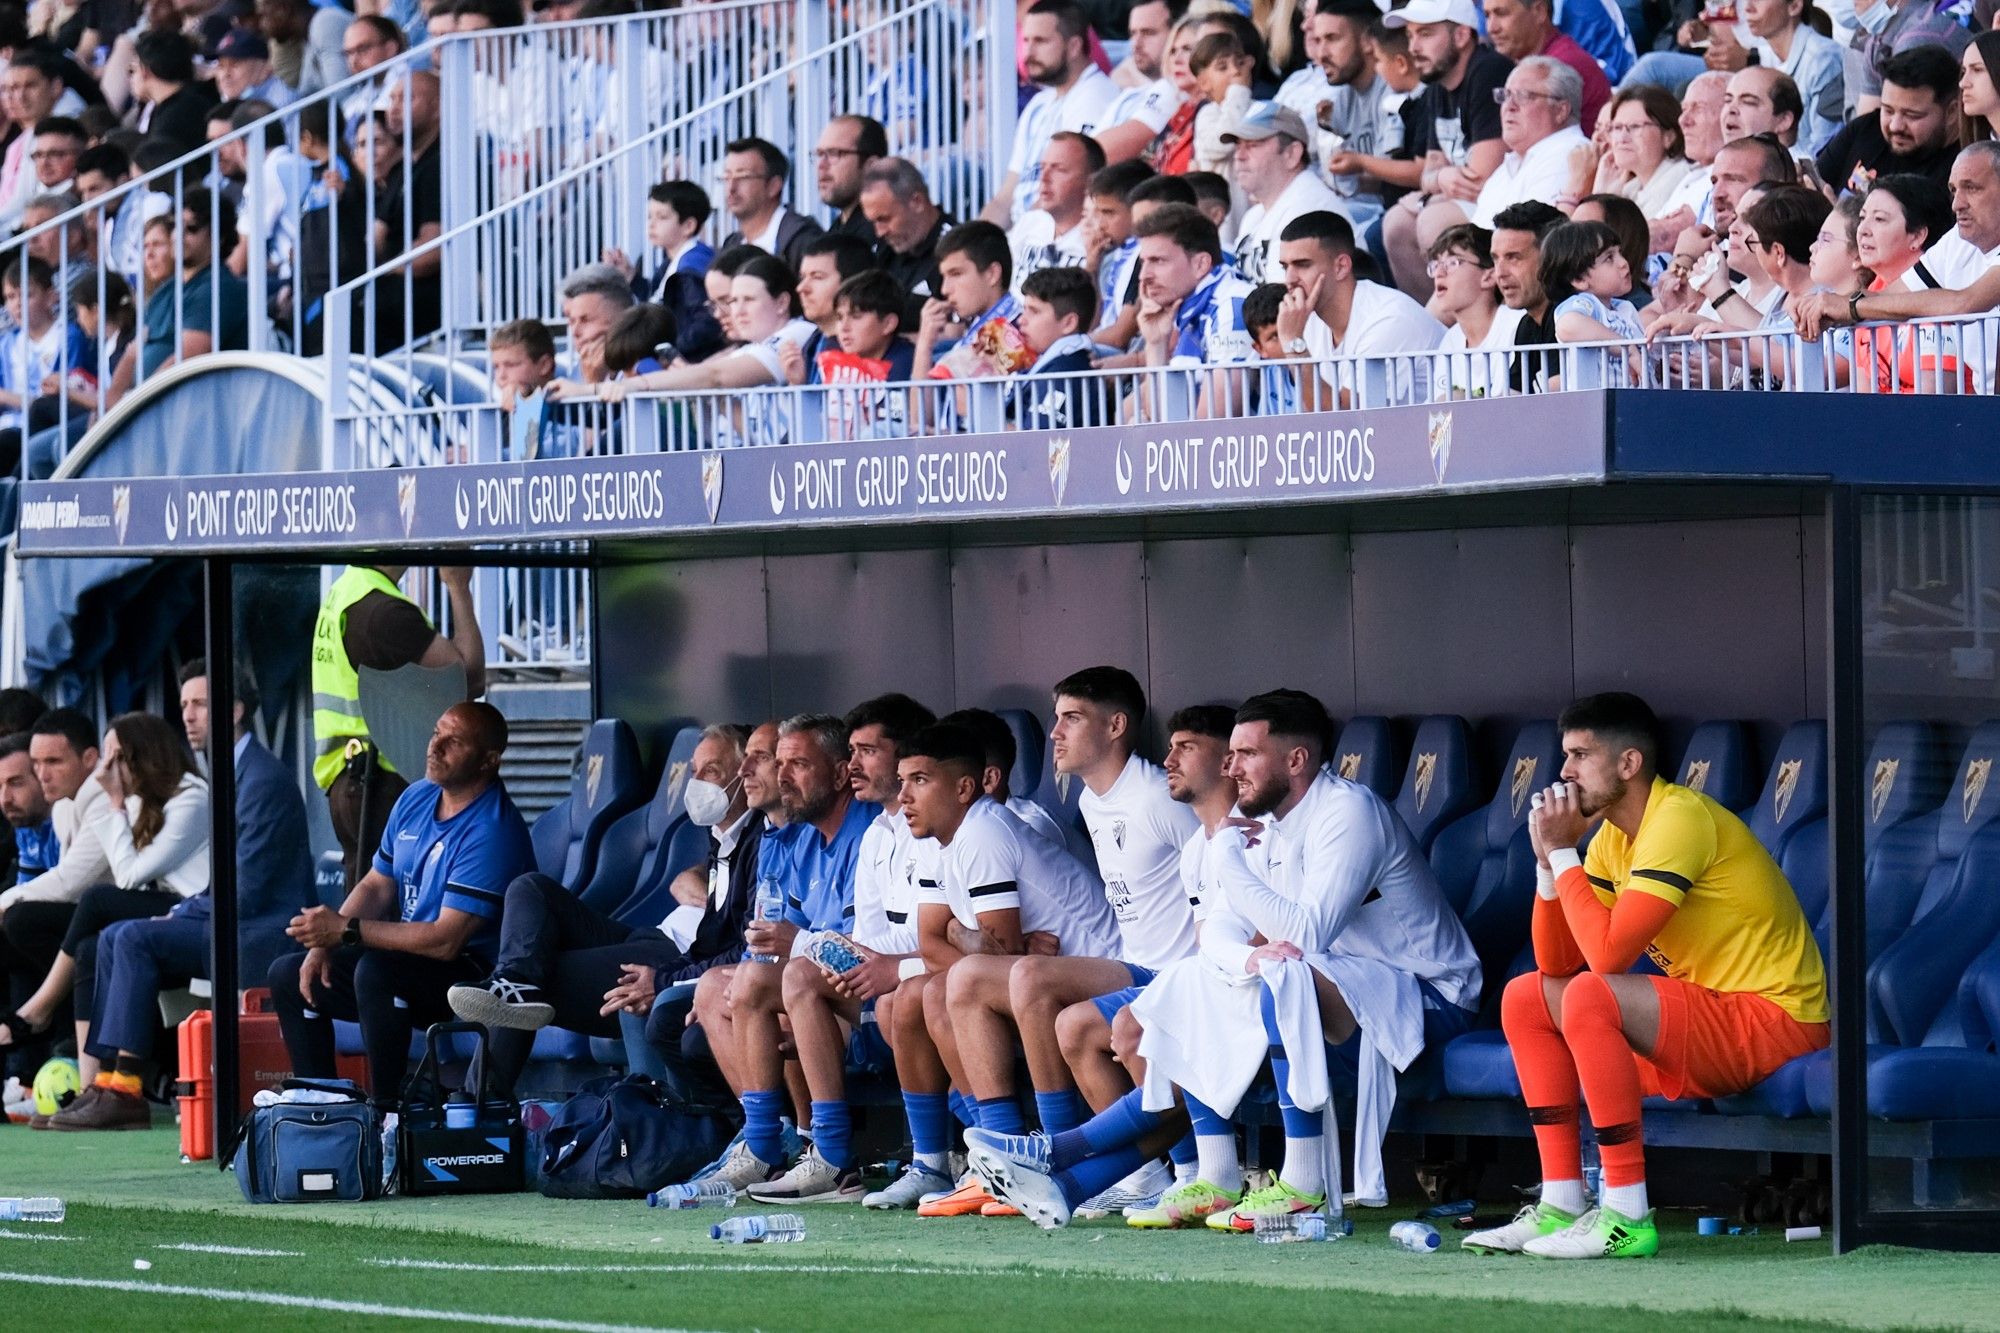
pixel 1850 911
pixel 218 572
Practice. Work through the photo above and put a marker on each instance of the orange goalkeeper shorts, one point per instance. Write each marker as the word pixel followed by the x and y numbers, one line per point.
pixel 1716 1043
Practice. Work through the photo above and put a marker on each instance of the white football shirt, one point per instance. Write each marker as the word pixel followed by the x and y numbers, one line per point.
pixel 995 861
pixel 1139 831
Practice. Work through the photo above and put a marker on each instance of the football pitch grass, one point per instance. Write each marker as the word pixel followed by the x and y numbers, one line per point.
pixel 521 1261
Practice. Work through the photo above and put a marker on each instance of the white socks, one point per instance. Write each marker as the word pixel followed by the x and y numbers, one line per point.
pixel 936 1162
pixel 1566 1196
pixel 1625 1200
pixel 1304 1169
pixel 1217 1163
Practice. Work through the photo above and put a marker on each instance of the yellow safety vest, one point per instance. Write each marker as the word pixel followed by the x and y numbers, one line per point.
pixel 336 687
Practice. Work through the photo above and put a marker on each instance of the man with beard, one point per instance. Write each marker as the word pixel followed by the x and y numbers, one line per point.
pixel 1136 118
pixel 1074 96
pixel 1674 876
pixel 848 146
pixel 1361 965
pixel 812 862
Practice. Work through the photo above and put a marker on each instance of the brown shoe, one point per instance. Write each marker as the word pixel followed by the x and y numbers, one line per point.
pixel 110 1109
pixel 82 1095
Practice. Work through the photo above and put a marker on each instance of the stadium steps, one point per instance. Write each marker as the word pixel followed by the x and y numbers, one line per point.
pixel 546 724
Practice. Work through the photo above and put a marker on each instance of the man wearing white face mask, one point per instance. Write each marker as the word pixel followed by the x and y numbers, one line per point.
pixel 565 963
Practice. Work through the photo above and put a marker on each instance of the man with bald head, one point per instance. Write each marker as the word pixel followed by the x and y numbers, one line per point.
pixel 1701 131
pixel 425 917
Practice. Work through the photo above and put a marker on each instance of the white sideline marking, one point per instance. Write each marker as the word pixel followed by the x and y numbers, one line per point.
pixel 245 1250
pixel 316 1303
pixel 911 1270
pixel 34 1235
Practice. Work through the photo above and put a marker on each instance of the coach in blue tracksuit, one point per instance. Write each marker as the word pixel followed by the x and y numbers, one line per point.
pixel 424 918
pixel 138 959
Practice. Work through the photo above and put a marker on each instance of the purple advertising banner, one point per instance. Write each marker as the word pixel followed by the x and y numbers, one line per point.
pixel 1472 445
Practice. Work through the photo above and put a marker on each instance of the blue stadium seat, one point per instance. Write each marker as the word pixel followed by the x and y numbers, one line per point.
pixel 1055 792
pixel 1485 863
pixel 1438 787
pixel 1717 763
pixel 609 780
pixel 1795 789
pixel 1030 741
pixel 640 857
pixel 1366 753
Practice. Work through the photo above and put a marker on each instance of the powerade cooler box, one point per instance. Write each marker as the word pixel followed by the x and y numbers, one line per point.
pixel 486 1155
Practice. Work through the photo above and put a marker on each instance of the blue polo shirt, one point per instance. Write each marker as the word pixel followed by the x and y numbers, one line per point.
pixel 35 850
pixel 465 862
pixel 817 875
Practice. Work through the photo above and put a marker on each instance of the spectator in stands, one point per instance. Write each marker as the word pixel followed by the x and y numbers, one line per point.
pixel 754 174
pixel 26 808
pixel 1519 29
pixel 1629 224
pixel 814 862
pixel 1690 205
pixel 1787 43
pixel 868 322
pixel 370 40
pixel 897 203
pixel 1780 230
pixel 1763 101
pixel 1890 28
pixel 206 310
pixel 718 284
pixel 1329 313
pixel 716 901
pixel 642 341
pixel 1305 87
pixel 1111 251
pixel 1139 833
pixel 1745 165
pixel 1745 989
pixel 1055 54
pixel 410 213
pixel 1585 273
pixel 307 42
pixel 425 917
pixel 1190 318
pixel 66 249
pixel 848 146
pixel 139 958
pixel 1052 233
pixel 1224 73
pixel 1979 87
pixel 968 330
pixel 676 211
pixel 521 361
pixel 1538 124
pixel 1277 391
pixel 333 233
pixel 1058 306
pixel 1453 142
pixel 562 962
pixel 1359 119
pixel 100 170
pixel 40 345
pixel 593 297
pixel 1909 131
pixel 764 308
pixel 1172 148
pixel 58 142
pixel 153 828
pixel 828 261
pixel 174 105
pixel 822 1008
pixel 1139 113
pixel 1900 217
pixel 1646 162
pixel 367 620
pixel 1517 265
pixel 1214 199
pixel 1476 349
pixel 1201 1023
pixel 31 92
pixel 243 70
pixel 1274 169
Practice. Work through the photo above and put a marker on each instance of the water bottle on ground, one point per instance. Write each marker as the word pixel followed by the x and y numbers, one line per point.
pixel 1416 1237
pixel 694 1194
pixel 31 1210
pixel 1288 1227
pixel 770 906
pixel 776 1229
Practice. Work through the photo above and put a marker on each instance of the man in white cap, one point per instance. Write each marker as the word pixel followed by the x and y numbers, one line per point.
pixel 1454 134
pixel 1274 168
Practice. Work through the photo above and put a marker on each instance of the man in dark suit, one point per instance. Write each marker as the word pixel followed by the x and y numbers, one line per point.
pixel 564 963
pixel 136 960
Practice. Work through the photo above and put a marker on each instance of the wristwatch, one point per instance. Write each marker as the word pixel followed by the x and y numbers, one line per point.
pixel 350 934
pixel 1297 347
pixel 1854 306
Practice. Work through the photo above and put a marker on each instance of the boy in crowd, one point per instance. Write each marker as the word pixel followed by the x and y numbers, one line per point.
pixel 521 360
pixel 1461 274
pixel 1277 392
pixel 1111 252
pixel 1121 326
pixel 1056 308
pixel 868 314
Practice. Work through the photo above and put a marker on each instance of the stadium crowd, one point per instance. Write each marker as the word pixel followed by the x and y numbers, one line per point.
pixel 1189 186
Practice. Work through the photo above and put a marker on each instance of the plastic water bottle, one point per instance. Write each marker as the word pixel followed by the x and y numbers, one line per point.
pixel 694 1194
pixel 1416 1237
pixel 391 1182
pixel 770 906
pixel 776 1229
pixel 31 1210
pixel 1288 1227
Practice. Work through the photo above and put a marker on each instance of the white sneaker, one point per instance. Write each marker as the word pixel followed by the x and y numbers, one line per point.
pixel 917 1183
pixel 1601 1233
pixel 1534 1221
pixel 812 1179
pixel 1141 1189
pixel 740 1168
